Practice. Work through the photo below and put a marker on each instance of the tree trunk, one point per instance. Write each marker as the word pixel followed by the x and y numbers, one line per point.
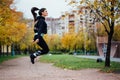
pixel 12 51
pixel 3 50
pixel 111 23
pixel 7 50
pixel 107 60
pixel 0 49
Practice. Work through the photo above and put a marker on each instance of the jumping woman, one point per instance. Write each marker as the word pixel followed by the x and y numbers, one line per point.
pixel 40 28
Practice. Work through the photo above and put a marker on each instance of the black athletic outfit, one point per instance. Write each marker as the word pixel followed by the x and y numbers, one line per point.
pixel 40 28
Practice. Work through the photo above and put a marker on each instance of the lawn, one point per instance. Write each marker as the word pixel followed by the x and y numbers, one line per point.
pixel 75 63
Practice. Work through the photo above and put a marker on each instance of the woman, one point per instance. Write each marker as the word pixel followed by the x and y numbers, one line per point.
pixel 40 28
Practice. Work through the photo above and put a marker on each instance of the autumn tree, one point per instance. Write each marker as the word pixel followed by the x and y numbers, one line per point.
pixel 67 41
pixel 79 41
pixel 86 40
pixel 53 41
pixel 73 41
pixel 12 29
pixel 26 41
pixel 4 17
pixel 107 12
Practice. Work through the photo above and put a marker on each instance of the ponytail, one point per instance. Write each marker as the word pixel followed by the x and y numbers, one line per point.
pixel 33 9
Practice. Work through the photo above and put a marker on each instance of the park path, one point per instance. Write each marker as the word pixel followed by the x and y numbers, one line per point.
pixel 22 69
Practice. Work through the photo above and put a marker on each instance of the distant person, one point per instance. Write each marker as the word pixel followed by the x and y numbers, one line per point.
pixel 104 49
pixel 40 28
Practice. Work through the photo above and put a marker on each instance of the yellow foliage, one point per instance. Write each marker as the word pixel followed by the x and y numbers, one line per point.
pixel 11 28
pixel 96 4
pixel 53 41
pixel 72 41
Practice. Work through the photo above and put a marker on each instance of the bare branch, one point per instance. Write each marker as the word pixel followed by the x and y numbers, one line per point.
pixel 102 22
pixel 101 15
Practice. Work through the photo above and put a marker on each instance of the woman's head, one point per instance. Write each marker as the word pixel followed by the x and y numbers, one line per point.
pixel 41 12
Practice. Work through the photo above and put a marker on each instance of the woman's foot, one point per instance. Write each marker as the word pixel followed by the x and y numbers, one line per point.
pixel 32 58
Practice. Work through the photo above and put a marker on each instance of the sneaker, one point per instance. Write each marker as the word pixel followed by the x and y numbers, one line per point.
pixel 32 57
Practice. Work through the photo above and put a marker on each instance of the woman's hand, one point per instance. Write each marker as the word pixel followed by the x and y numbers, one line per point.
pixel 36 41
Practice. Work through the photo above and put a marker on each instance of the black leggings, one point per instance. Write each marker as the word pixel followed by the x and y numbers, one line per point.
pixel 43 45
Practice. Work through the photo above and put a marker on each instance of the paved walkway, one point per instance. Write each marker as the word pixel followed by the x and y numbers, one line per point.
pixel 22 69
pixel 103 58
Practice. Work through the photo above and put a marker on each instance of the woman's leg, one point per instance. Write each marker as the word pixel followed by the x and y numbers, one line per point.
pixel 43 45
pixel 44 50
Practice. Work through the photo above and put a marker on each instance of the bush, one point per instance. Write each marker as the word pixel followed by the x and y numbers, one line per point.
pixel 71 53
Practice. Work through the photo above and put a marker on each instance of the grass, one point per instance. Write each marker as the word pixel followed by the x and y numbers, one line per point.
pixel 5 58
pixel 75 63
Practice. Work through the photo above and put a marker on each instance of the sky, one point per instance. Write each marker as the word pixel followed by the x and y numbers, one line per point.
pixel 54 7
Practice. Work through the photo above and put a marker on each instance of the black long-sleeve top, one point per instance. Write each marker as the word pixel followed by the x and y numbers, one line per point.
pixel 40 26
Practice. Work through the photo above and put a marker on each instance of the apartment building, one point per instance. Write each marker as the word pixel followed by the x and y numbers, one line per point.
pixel 80 18
pixel 56 25
pixel 72 21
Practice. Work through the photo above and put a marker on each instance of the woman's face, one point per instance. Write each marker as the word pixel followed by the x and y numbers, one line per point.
pixel 45 13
